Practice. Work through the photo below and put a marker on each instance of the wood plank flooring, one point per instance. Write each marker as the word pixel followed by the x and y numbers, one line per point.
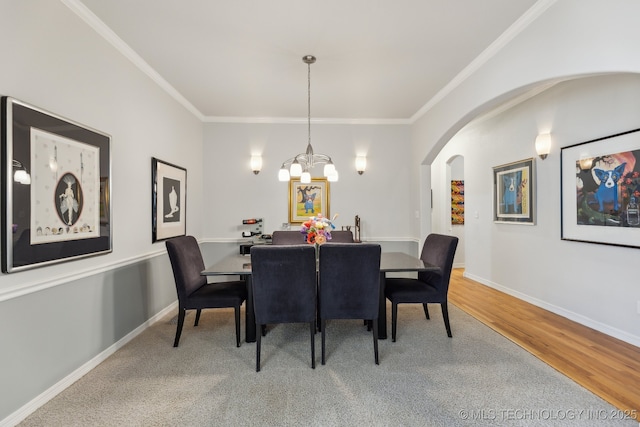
pixel 606 366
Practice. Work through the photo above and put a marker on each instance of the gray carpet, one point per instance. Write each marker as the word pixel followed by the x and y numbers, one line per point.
pixel 424 379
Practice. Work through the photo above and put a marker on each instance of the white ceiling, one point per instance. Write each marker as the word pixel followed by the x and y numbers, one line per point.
pixel 376 59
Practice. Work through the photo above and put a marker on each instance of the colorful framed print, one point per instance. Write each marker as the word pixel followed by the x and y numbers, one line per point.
pixel 514 192
pixel 168 200
pixel 307 200
pixel 55 188
pixel 457 202
pixel 600 190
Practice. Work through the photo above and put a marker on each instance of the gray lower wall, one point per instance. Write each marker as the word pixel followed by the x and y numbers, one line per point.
pixel 49 334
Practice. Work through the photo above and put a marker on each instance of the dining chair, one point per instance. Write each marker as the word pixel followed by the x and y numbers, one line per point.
pixel 341 236
pixel 349 285
pixel 194 293
pixel 429 287
pixel 284 288
pixel 288 237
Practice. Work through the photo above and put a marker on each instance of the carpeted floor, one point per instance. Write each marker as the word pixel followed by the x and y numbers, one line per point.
pixel 424 379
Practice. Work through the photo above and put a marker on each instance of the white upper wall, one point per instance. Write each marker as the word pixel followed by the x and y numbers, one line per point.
pixel 593 284
pixel 380 196
pixel 55 61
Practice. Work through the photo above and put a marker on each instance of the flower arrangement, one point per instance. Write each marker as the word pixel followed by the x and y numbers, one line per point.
pixel 318 229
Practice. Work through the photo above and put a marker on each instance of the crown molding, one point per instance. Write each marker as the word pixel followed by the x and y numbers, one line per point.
pixel 515 29
pixel 110 36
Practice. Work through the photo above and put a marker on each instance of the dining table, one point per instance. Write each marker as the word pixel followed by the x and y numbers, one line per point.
pixel 390 262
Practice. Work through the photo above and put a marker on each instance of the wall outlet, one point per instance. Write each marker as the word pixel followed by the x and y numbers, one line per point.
pixel 638 307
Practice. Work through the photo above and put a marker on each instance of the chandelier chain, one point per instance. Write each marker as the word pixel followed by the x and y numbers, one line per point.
pixel 309 101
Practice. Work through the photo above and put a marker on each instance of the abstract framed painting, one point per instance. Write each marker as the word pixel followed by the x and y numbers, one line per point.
pixel 600 190
pixel 168 200
pixel 514 192
pixel 55 188
pixel 307 200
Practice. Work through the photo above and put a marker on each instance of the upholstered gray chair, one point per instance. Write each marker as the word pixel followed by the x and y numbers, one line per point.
pixel 194 293
pixel 349 285
pixel 341 236
pixel 288 237
pixel 284 288
pixel 429 287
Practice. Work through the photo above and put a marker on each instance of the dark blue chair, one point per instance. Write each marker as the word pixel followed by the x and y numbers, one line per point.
pixel 288 237
pixel 194 293
pixel 429 287
pixel 349 285
pixel 284 288
pixel 341 236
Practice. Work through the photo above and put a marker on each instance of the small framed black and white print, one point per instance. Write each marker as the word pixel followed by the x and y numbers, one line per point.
pixel 168 203
pixel 55 188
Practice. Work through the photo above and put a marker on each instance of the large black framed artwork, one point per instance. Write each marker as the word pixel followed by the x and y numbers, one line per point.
pixel 55 180
pixel 600 190
pixel 168 200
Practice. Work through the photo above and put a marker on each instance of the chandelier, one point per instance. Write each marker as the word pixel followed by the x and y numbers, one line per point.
pixel 301 165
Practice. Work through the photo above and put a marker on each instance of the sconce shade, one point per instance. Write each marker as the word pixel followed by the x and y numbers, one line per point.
pixel 361 164
pixel 543 145
pixel 256 163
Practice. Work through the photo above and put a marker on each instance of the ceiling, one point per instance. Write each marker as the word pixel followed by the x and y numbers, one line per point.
pixel 240 60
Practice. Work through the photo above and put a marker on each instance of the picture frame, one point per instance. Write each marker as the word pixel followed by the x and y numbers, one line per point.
pixel 307 200
pixel 514 192
pixel 168 200
pixel 457 202
pixel 56 175
pixel 600 190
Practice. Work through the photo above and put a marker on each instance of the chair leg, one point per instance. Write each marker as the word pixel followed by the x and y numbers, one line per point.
pixel 445 314
pixel 236 309
pixel 313 344
pixel 181 314
pixel 258 339
pixel 323 327
pixel 197 317
pixel 426 310
pixel 394 320
pixel 263 330
pixel 375 340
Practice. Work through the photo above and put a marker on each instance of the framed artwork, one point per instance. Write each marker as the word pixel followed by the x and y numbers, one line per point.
pixel 168 200
pixel 600 190
pixel 306 200
pixel 514 192
pixel 457 202
pixel 55 188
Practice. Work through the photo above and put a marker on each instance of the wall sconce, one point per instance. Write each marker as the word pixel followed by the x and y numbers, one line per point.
pixel 543 145
pixel 361 164
pixel 21 175
pixel 256 163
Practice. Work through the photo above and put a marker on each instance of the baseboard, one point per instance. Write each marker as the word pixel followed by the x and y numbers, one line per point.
pixel 578 318
pixel 61 385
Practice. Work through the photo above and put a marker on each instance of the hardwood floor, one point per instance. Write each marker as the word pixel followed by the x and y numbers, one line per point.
pixel 606 366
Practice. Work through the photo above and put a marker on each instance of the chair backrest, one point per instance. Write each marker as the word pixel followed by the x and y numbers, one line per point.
pixel 341 236
pixel 439 249
pixel 187 263
pixel 349 280
pixel 287 237
pixel 283 278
